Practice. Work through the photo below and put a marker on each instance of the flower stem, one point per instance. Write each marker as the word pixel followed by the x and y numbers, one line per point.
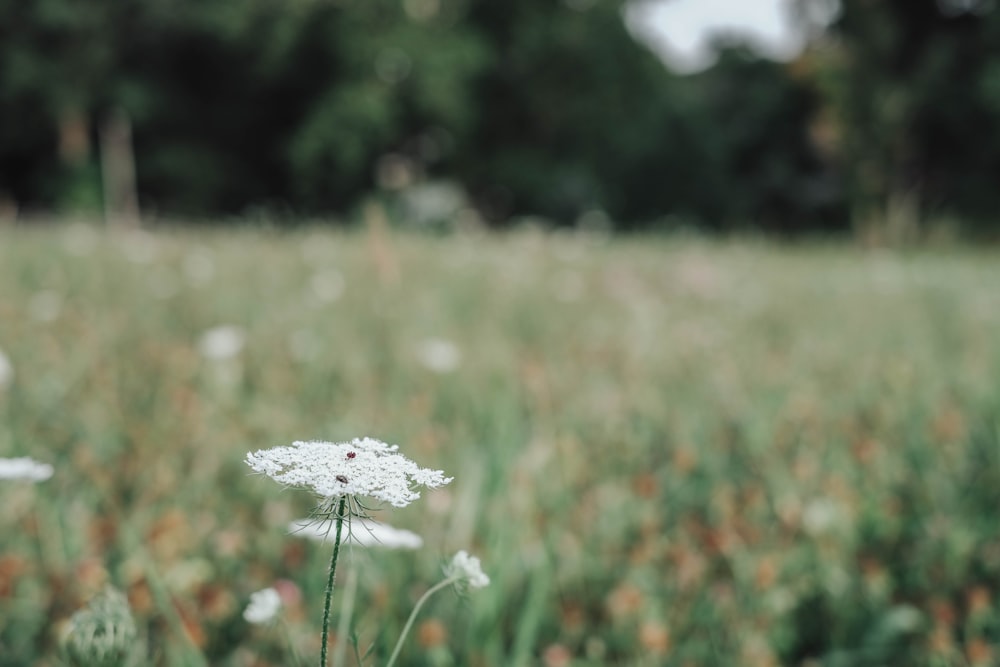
pixel 329 582
pixel 413 616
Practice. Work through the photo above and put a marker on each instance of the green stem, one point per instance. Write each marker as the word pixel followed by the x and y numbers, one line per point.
pixel 329 583
pixel 413 616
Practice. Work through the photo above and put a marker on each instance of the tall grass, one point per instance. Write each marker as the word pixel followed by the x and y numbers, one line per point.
pixel 665 452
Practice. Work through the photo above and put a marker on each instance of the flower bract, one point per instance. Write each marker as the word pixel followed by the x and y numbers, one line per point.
pixel 364 533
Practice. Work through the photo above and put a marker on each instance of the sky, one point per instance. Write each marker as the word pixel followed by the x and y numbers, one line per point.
pixel 679 30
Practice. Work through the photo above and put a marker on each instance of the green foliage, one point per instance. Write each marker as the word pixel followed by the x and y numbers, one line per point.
pixel 910 86
pixel 664 452
pixel 549 109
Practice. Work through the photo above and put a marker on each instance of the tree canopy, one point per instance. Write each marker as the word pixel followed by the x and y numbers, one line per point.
pixel 304 107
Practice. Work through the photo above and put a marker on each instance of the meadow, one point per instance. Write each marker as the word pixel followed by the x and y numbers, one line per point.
pixel 666 451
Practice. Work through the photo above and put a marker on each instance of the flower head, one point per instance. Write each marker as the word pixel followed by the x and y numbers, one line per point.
pixel 362 467
pixel 24 468
pixel 466 568
pixel 439 355
pixel 222 342
pixel 364 533
pixel 264 606
pixel 6 370
pixel 103 634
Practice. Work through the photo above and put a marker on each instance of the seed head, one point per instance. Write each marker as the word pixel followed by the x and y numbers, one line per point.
pixel 103 634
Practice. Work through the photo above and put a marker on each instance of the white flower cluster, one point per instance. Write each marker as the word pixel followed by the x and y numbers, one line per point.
pixel 464 567
pixel 25 468
pixel 222 342
pixel 6 370
pixel 362 467
pixel 364 533
pixel 264 606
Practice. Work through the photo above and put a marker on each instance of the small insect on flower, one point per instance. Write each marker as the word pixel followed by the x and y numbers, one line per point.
pixel 351 455
pixel 342 479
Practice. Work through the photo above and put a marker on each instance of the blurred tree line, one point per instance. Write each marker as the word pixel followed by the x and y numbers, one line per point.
pixel 550 108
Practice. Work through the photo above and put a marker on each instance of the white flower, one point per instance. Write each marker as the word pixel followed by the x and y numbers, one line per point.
pixel 364 533
pixel 6 370
pixel 222 342
pixel 468 569
pixel 820 516
pixel 25 468
pixel 439 355
pixel 362 467
pixel 264 606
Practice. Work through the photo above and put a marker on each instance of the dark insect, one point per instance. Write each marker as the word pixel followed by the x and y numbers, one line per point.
pixel 351 455
pixel 342 479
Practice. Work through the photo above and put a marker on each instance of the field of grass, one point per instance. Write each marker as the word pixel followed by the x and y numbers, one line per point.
pixel 666 452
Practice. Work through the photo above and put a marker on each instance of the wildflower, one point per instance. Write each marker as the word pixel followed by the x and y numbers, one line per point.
pixel 362 467
pixel 364 533
pixel 820 516
pixel 222 342
pixel 6 370
pixel 439 355
pixel 103 634
pixel 466 568
pixel 25 468
pixel 463 569
pixel 341 474
pixel 264 606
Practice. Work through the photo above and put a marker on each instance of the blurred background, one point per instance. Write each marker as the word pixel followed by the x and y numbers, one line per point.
pixel 541 245
pixel 876 118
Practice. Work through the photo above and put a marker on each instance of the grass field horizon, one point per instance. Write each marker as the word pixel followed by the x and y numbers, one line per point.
pixel 666 451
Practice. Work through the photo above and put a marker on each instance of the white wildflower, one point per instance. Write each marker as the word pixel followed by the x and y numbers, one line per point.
pixel 364 533
pixel 820 516
pixel 464 567
pixel 6 370
pixel 222 342
pixel 439 355
pixel 25 468
pixel 362 467
pixel 264 606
